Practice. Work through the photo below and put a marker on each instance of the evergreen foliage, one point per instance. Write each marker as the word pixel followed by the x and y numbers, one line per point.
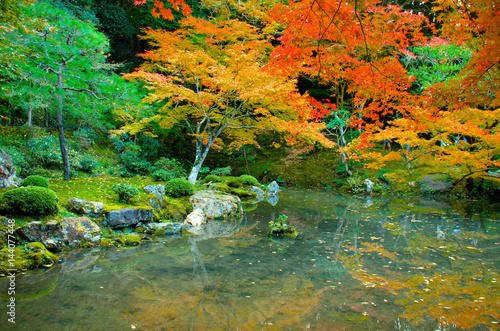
pixel 179 187
pixel 29 201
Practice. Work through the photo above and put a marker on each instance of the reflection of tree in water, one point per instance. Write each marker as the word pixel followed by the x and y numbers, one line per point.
pixel 438 269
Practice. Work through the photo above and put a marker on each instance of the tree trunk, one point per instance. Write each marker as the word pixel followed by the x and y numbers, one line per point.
pixel 60 128
pixel 201 154
pixel 30 116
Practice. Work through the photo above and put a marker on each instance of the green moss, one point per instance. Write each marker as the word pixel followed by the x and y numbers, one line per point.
pixel 29 201
pixel 30 256
pixel 106 242
pixel 131 240
pixel 212 178
pixel 176 209
pixel 243 193
pixel 35 180
pixel 179 187
pixel 248 180
pixel 222 187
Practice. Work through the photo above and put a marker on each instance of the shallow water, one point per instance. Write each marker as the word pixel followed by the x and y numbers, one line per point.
pixel 359 263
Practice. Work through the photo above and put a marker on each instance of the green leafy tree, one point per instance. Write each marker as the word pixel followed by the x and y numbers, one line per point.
pixel 61 65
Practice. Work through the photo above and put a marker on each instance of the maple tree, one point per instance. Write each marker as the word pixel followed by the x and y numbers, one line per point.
pixel 208 77
pixel 453 127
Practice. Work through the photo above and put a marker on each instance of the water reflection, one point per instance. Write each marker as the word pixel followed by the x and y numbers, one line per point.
pixel 358 264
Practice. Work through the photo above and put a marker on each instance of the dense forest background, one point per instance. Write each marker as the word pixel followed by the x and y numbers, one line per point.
pixel 316 93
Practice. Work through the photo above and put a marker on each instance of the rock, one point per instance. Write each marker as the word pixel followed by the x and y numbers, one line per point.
pixel 273 200
pixel 167 228
pixel 48 234
pixel 260 194
pixel 216 204
pixel 369 186
pixel 156 189
pixel 196 218
pixel 83 207
pixel 435 184
pixel 78 229
pixel 71 232
pixel 7 171
pixel 127 217
pixel 273 189
pixel 219 229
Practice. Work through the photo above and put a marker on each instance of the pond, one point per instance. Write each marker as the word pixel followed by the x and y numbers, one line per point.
pixel 359 263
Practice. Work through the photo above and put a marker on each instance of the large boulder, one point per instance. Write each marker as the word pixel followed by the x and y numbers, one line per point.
pixel 210 204
pixel 78 229
pixel 156 189
pixel 127 217
pixel 83 207
pixel 7 171
pixel 72 231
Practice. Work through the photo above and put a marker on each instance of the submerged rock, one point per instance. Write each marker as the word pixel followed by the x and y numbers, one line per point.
pixel 84 207
pixel 166 228
pixel 127 217
pixel 435 184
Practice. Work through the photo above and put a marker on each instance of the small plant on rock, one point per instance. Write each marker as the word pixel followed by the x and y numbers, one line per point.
pixel 280 227
pixel 125 192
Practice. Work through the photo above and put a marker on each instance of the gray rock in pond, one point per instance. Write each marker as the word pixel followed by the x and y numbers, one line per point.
pixel 273 200
pixel 84 207
pixel 260 194
pixel 273 189
pixel 216 204
pixel 7 171
pixel 127 217
pixel 168 228
pixel 72 231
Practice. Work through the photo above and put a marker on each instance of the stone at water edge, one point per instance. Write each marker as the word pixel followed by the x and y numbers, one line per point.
pixel 216 204
pixel 369 186
pixel 273 189
pixel 196 218
pixel 122 218
pixel 78 229
pixel 168 228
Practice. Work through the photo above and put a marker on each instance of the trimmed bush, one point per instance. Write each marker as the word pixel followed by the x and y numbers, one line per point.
pixel 35 180
pixel 179 187
pixel 30 201
pixel 125 192
pixel 248 180
pixel 213 179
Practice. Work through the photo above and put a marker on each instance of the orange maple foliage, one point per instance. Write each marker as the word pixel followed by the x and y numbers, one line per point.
pixel 160 11
pixel 208 77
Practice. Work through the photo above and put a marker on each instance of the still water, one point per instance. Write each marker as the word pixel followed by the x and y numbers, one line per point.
pixel 359 263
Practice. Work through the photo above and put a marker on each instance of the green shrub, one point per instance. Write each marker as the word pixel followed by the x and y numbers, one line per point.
pixel 179 187
pixel 30 201
pixel 356 184
pixel 36 180
pixel 213 179
pixel 171 166
pixel 125 192
pixel 87 164
pixel 248 180
pixel 280 227
pixel 221 171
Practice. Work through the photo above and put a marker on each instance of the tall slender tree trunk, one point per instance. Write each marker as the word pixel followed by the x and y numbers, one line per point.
pixel 60 128
pixel 30 116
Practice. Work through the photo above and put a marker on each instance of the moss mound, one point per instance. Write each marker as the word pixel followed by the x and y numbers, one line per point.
pixel 29 201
